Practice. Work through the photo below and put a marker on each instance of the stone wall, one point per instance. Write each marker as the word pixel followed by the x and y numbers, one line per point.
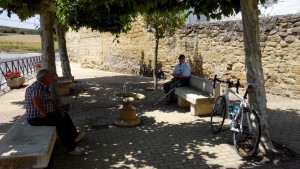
pixel 211 48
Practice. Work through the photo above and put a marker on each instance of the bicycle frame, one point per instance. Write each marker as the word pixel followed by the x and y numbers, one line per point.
pixel 243 105
pixel 244 124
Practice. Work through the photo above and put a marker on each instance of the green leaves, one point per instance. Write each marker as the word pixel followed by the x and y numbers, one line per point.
pixel 23 8
pixel 164 24
pixel 111 16
pixel 115 16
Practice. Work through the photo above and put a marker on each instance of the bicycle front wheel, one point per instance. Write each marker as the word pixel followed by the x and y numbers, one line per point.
pixel 218 114
pixel 246 142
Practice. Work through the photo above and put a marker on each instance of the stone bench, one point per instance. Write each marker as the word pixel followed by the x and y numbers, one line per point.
pixel 199 95
pixel 26 146
pixel 64 85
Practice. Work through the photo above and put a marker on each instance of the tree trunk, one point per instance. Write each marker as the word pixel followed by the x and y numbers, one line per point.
pixel 41 36
pixel 64 59
pixel 155 63
pixel 253 60
pixel 48 55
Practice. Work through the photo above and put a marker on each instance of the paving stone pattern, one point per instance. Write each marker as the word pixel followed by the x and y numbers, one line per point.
pixel 169 136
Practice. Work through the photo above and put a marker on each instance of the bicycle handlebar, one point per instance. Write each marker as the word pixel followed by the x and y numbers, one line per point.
pixel 237 85
pixel 230 83
pixel 215 80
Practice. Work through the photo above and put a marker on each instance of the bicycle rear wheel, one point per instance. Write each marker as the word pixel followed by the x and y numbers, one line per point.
pixel 246 142
pixel 218 114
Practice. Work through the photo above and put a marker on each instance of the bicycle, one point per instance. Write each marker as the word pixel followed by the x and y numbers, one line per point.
pixel 244 123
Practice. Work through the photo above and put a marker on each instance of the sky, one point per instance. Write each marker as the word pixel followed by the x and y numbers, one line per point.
pixel 270 8
pixel 279 7
pixel 31 23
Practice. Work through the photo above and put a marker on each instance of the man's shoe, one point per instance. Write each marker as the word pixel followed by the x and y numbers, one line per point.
pixel 77 151
pixel 80 136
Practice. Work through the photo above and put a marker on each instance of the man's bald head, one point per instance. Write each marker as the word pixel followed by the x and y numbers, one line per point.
pixel 45 76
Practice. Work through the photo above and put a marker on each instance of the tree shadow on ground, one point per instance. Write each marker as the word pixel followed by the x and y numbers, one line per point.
pixel 284 127
pixel 11 113
pixel 4 127
pixel 169 137
pixel 285 138
pixel 19 103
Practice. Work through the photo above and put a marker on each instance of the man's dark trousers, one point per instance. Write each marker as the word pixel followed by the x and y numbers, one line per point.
pixel 171 85
pixel 65 128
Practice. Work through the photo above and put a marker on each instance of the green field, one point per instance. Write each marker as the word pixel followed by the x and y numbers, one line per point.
pixel 30 41
pixel 20 46
pixel 21 43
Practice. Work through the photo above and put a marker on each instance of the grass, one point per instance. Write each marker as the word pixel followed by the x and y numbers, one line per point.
pixel 21 43
pixel 26 46
pixel 20 38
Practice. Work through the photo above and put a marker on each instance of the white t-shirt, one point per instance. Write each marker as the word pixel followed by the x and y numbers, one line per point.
pixel 184 68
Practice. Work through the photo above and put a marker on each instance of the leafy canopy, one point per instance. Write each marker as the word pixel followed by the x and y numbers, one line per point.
pixel 23 8
pixel 116 15
pixel 164 24
pixel 108 16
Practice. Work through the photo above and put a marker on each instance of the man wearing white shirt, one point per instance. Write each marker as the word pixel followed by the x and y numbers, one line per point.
pixel 181 75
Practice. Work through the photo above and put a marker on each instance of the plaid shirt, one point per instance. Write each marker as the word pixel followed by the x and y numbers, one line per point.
pixel 40 90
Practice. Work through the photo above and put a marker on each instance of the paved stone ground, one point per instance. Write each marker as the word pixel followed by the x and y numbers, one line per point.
pixel 284 116
pixel 169 137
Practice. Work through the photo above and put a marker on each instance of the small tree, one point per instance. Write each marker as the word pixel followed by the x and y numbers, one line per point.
pixel 162 24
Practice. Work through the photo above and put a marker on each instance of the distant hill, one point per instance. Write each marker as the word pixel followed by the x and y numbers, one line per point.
pixel 11 30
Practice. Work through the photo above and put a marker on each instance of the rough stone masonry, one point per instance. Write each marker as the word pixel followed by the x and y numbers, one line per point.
pixel 211 48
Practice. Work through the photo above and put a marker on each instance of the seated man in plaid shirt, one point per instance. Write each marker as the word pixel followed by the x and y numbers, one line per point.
pixel 41 110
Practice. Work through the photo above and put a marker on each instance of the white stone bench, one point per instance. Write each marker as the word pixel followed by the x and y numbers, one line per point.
pixel 26 146
pixel 199 95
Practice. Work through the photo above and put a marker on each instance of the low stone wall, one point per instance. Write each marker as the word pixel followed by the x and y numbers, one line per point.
pixel 211 48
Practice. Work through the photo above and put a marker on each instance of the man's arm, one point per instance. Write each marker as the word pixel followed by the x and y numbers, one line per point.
pixel 180 75
pixel 185 73
pixel 58 108
pixel 186 70
pixel 174 74
pixel 38 104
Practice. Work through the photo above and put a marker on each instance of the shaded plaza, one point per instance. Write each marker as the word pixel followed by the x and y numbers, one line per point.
pixel 168 137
